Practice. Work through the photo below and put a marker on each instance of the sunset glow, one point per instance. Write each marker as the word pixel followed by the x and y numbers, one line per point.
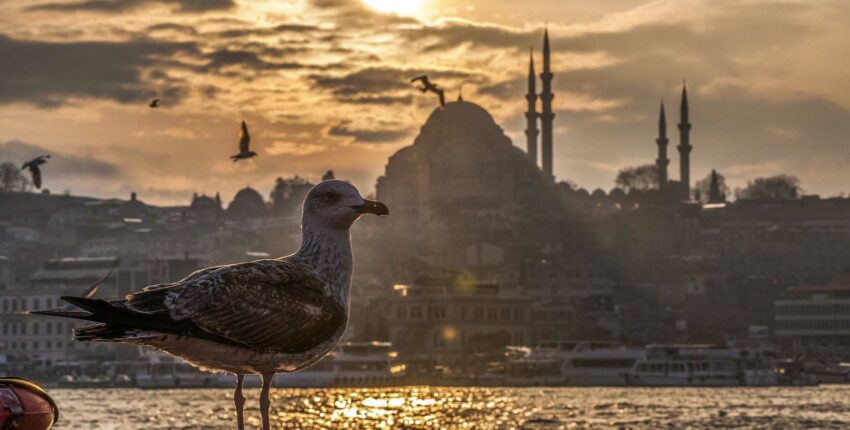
pixel 402 7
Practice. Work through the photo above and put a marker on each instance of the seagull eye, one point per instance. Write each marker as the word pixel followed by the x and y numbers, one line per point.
pixel 331 196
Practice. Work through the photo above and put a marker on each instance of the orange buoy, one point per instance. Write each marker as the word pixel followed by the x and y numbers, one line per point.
pixel 25 406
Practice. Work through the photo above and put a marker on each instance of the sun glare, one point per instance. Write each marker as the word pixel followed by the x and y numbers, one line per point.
pixel 402 7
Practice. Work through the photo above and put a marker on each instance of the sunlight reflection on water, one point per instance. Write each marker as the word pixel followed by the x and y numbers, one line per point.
pixel 459 408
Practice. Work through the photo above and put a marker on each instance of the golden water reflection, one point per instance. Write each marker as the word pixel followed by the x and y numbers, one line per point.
pixel 823 407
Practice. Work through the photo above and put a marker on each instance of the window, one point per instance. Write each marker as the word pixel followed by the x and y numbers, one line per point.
pixel 35 329
pixel 35 303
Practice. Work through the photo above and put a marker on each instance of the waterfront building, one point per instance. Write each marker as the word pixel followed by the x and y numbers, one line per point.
pixel 815 315
pixel 447 315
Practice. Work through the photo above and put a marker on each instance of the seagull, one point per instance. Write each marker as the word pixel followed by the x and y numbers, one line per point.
pixel 244 145
pixel 261 317
pixel 90 291
pixel 154 104
pixel 35 171
pixel 428 86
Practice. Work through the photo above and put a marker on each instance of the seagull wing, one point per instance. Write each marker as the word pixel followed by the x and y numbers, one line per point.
pixel 244 138
pixel 36 175
pixel 266 304
pixel 442 97
pixel 423 78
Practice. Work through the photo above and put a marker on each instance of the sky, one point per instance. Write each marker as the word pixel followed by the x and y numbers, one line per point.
pixel 323 84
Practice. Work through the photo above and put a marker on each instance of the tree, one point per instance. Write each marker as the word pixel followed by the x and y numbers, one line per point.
pixel 639 178
pixel 11 178
pixel 779 187
pixel 288 194
pixel 703 186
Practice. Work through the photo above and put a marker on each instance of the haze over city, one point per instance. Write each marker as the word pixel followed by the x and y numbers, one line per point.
pixel 323 85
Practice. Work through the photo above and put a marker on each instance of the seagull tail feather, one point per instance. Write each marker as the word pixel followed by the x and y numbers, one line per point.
pixel 67 313
pixel 97 307
pixel 100 332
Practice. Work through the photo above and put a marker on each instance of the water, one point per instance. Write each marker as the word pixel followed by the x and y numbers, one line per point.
pixel 826 407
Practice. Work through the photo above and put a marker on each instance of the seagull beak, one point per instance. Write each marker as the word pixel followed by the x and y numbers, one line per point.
pixel 372 207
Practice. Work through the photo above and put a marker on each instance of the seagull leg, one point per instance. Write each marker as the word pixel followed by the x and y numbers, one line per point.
pixel 264 399
pixel 239 400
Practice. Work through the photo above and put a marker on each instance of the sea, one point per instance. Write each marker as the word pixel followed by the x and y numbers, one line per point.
pixel 823 407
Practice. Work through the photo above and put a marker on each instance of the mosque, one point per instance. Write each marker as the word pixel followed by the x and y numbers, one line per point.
pixel 462 187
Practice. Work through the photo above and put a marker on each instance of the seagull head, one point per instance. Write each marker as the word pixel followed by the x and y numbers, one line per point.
pixel 337 204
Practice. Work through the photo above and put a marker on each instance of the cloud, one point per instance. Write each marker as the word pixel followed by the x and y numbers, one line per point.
pixel 381 134
pixel 448 34
pixel 121 6
pixel 49 73
pixel 289 148
pixel 371 84
pixel 171 26
pixel 61 165
pixel 246 60
pixel 276 30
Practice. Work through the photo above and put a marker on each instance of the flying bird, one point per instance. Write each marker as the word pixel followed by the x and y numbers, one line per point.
pixel 90 291
pixel 35 171
pixel 244 145
pixel 428 86
pixel 261 317
pixel 154 103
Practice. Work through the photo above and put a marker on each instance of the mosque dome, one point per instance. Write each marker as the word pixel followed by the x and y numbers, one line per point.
pixel 247 203
pixel 202 203
pixel 205 208
pixel 462 156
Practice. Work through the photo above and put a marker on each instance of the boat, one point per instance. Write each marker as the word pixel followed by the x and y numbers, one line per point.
pixel 350 364
pixel 165 371
pixel 540 367
pixel 600 364
pixel 574 363
pixel 705 366
pixel 826 373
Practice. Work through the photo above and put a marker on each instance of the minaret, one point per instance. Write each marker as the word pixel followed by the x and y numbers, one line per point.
pixel 547 115
pixel 684 145
pixel 531 131
pixel 662 161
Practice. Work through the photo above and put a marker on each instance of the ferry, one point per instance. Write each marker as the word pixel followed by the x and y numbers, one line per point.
pixel 600 364
pixel 574 363
pixel 704 366
pixel 165 371
pixel 350 364
pixel 539 367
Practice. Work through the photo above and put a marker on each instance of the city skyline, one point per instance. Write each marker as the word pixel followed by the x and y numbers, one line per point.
pixel 321 89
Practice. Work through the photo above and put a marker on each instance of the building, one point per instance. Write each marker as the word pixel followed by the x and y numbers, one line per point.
pixel 450 314
pixel 461 191
pixel 48 340
pixel 815 315
pixel 247 203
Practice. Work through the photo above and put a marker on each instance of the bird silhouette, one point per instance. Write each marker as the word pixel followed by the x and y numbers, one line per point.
pixel 90 291
pixel 35 171
pixel 244 145
pixel 154 103
pixel 428 86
